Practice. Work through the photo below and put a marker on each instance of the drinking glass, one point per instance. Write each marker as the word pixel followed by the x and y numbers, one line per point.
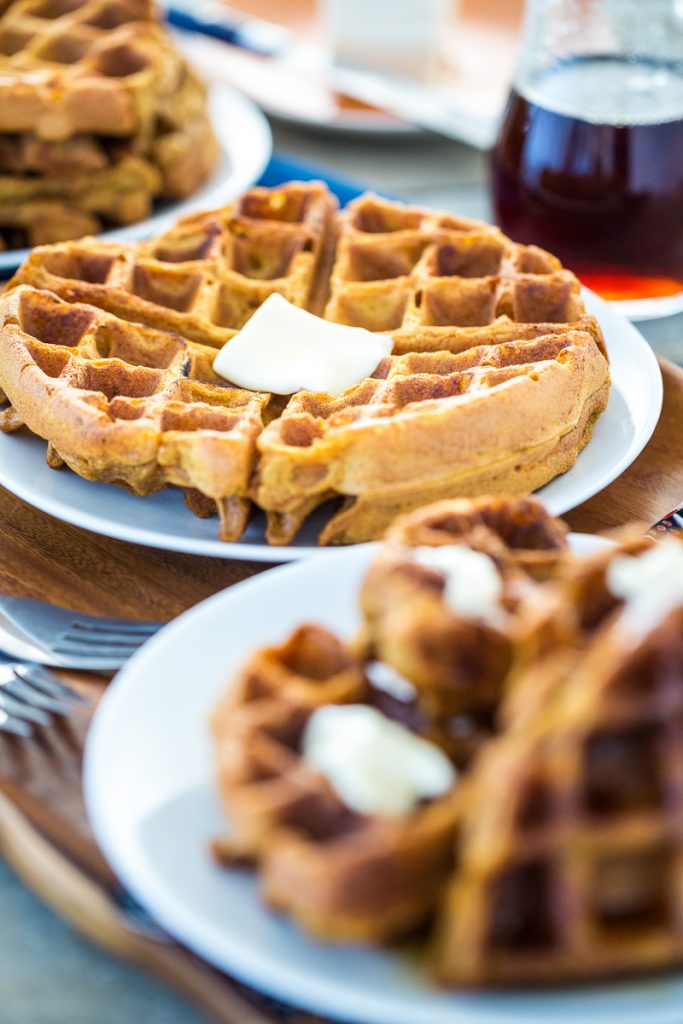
pixel 589 159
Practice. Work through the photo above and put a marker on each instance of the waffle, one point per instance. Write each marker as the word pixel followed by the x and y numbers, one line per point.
pixel 441 283
pixel 204 278
pixel 87 186
pixel 99 117
pixel 342 875
pixel 92 66
pixel 123 403
pixel 518 533
pixel 487 405
pixel 459 664
pixel 570 869
pixel 122 193
pixel 557 624
pixel 565 829
pixel 502 418
pixel 28 154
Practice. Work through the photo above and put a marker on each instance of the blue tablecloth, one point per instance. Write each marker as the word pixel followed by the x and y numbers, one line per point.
pixel 283 168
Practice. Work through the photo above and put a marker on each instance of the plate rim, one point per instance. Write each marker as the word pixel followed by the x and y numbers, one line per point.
pixel 248 966
pixel 262 552
pixel 216 190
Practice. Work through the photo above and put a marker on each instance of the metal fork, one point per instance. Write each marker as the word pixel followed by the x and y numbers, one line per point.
pixel 31 695
pixel 34 631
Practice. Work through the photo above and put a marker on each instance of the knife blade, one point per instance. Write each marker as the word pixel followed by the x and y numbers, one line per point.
pixel 421 104
pixel 213 18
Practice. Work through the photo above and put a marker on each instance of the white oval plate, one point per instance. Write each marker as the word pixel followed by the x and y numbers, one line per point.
pixel 149 792
pixel 163 521
pixel 246 144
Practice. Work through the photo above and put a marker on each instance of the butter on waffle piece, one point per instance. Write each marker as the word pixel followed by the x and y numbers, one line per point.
pixel 340 874
pixel 571 845
pixel 501 418
pixel 205 277
pixel 559 622
pixel 458 663
pixel 436 282
pixel 123 403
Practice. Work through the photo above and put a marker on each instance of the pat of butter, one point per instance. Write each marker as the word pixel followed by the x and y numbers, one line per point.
pixel 376 766
pixel 651 584
pixel 283 349
pixel 384 678
pixel 473 584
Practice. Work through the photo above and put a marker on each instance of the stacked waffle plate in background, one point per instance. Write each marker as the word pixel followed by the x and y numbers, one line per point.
pixel 99 117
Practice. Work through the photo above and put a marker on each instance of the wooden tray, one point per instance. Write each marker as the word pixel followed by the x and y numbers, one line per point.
pixel 43 829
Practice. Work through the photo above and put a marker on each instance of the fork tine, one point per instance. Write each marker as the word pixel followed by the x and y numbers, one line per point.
pixel 14 726
pixel 119 627
pixel 23 691
pixel 18 709
pixel 96 650
pixel 87 639
pixel 43 679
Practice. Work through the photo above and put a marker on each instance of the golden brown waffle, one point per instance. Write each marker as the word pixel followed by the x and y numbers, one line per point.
pixel 49 220
pixel 205 277
pixel 509 416
pixel 570 845
pixel 122 193
pixel 127 404
pixel 437 283
pixel 558 622
pixel 99 116
pixel 518 533
pixel 502 407
pixel 71 66
pixel 342 875
pixel 458 664
pixel 567 840
pixel 87 186
pixel 28 154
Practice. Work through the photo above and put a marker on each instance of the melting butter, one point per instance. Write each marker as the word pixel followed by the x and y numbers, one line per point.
pixel 376 766
pixel 651 584
pixel 283 348
pixel 474 586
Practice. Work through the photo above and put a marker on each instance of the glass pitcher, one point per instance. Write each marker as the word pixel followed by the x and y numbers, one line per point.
pixel 589 159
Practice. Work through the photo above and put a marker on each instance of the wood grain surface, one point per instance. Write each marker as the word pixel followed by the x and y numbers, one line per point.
pixel 43 827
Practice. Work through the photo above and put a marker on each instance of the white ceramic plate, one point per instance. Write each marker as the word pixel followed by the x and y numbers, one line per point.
pixel 162 520
pixel 246 144
pixel 149 792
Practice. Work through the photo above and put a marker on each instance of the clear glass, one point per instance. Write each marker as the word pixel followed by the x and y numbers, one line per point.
pixel 589 159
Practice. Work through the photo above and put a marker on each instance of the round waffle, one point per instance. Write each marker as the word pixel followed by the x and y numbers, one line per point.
pixel 499 381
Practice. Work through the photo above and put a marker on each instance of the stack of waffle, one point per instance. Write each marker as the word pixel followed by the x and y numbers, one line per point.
pixel 566 825
pixel 497 382
pixel 99 116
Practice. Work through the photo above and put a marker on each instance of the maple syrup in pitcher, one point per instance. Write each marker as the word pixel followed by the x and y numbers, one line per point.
pixel 589 161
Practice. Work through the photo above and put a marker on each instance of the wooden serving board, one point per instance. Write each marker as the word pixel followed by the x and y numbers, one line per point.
pixel 44 832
